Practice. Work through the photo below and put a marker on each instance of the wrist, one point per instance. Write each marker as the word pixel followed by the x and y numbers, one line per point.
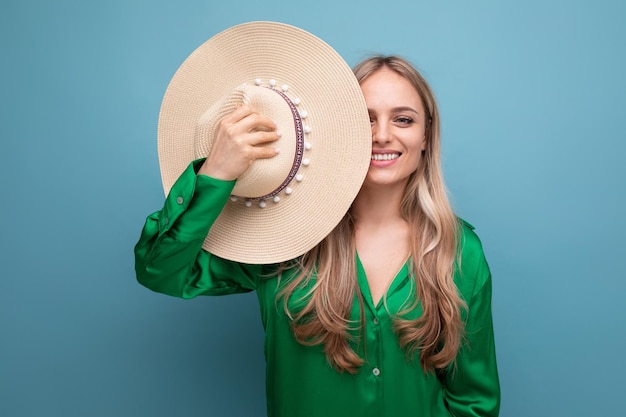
pixel 214 172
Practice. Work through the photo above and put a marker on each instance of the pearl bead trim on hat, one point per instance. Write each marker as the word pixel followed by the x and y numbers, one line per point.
pixel 301 146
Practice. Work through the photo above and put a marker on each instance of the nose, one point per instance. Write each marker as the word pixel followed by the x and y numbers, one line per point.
pixel 380 132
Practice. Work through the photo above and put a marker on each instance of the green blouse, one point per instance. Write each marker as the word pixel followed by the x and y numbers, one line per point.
pixel 299 381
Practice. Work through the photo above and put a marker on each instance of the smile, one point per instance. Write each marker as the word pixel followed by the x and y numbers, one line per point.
pixel 385 156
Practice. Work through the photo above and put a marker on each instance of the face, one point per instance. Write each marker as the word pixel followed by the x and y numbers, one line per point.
pixel 398 127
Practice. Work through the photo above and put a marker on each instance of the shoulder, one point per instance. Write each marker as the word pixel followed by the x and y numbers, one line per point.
pixel 472 270
pixel 470 245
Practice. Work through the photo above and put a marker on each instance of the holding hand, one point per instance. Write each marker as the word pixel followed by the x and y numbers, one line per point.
pixel 238 143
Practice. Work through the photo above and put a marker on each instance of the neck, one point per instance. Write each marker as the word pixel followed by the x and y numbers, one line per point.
pixel 378 204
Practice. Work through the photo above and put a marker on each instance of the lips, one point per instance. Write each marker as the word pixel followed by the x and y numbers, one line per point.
pixel 385 156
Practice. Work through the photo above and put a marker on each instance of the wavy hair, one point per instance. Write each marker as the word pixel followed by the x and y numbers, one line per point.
pixel 324 315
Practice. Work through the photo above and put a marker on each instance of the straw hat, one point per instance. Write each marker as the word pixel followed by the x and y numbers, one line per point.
pixel 283 206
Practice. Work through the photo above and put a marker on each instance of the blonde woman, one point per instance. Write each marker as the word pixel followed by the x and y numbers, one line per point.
pixel 390 315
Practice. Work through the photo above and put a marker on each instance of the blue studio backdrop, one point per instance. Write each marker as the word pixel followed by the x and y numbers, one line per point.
pixel 532 101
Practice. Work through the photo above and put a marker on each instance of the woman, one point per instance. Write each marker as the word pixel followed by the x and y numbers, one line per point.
pixel 390 314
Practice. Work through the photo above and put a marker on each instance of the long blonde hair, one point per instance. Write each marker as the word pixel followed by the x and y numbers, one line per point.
pixel 324 318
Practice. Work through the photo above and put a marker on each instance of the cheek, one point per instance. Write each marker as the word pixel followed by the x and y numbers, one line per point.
pixel 417 156
pixel 418 140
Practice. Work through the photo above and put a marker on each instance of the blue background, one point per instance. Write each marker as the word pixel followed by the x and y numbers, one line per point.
pixel 532 97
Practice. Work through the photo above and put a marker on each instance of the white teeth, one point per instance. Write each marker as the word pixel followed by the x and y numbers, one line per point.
pixel 384 156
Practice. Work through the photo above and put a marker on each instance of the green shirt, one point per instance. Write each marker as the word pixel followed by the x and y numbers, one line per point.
pixel 299 381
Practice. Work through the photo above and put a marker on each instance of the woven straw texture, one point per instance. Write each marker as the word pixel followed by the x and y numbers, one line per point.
pixel 340 135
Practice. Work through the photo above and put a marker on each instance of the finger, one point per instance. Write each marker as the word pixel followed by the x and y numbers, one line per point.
pixel 262 137
pixel 263 152
pixel 241 111
pixel 254 122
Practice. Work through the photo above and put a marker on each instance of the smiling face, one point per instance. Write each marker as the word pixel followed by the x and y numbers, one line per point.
pixel 398 127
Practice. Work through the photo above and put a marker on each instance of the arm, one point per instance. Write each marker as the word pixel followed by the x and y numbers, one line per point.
pixel 169 257
pixel 472 385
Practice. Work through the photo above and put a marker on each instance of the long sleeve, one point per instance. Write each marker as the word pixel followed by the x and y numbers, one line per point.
pixel 169 257
pixel 472 385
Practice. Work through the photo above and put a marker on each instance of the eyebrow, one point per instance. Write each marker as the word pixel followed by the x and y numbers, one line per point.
pixel 399 109
pixel 405 108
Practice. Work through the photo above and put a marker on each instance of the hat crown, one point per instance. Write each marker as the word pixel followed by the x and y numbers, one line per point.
pixel 264 176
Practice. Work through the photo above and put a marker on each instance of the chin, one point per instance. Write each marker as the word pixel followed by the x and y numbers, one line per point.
pixel 378 180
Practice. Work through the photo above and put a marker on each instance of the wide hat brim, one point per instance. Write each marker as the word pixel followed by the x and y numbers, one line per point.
pixel 340 135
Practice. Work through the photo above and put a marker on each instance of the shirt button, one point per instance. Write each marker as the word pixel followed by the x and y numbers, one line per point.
pixel 166 220
pixel 375 321
pixel 179 200
pixel 376 371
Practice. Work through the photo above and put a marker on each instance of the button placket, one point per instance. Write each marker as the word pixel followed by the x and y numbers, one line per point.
pixel 377 342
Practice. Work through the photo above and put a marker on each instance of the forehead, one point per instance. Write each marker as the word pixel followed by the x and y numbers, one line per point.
pixel 387 89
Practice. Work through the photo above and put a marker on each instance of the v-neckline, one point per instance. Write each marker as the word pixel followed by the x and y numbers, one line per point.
pixel 398 279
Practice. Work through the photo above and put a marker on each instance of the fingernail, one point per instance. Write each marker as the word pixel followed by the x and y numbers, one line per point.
pixel 279 134
pixel 277 150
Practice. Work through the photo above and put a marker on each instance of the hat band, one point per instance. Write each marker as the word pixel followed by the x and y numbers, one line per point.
pixel 297 160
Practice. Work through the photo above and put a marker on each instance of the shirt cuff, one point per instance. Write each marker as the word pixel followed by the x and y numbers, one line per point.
pixel 193 203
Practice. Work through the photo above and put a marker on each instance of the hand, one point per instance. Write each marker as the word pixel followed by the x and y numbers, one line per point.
pixel 236 143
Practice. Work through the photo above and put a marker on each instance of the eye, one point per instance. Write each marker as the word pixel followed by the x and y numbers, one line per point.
pixel 403 120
